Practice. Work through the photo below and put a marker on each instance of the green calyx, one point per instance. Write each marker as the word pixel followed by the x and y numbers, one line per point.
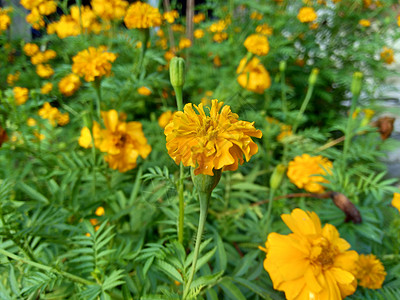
pixel 206 183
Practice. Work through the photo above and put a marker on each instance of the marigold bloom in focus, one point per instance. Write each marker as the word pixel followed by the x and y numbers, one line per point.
pixel 46 88
pixel 387 55
pixel 206 142
pixel 165 118
pixel 30 49
pixel 21 95
pixel 69 84
pixel 185 43
pixel 307 15
pixel 93 63
pixel 200 18
pixel 253 76
pixel 370 272
pixel 312 262
pixel 109 9
pixel 142 15
pixel 396 201
pixel 144 91
pixel 44 71
pixel 257 44
pixel 302 171
pixel 364 23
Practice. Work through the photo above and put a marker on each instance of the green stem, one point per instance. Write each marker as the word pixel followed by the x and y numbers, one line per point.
pixel 146 33
pixel 283 96
pixel 204 199
pixel 46 268
pixel 97 87
pixel 270 200
pixel 303 108
pixel 181 205
pixel 348 133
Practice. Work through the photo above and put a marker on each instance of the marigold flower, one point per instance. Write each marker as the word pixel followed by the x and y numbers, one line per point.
pixel 38 58
pixel 253 76
pixel 46 88
pixel 35 19
pixel 5 19
pixel 44 71
pixel 49 112
pixel 39 136
pixel 170 16
pixel 257 44
pixel 47 7
pixel 12 78
pixel 312 262
pixel 109 9
pixel 93 63
pixel 142 15
pixel 21 95
pixel 99 211
pixel 31 122
pixel 165 118
pixel 302 171
pixel 396 201
pixel 370 271
pixel 218 26
pixel 200 18
pixel 256 15
pixel 178 28
pixel 364 23
pixel 264 29
pixel 220 37
pixel 307 15
pixel 198 33
pixel 217 141
pixel 387 55
pixel 65 27
pixel 69 84
pixel 144 91
pixel 30 49
pixel 49 54
pixel 286 130
pixel 85 139
pixel 185 43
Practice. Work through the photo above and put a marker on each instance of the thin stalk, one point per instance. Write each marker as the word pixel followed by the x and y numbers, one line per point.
pixel 283 96
pixel 97 87
pixel 270 200
pixel 303 107
pixel 348 133
pixel 204 200
pixel 146 37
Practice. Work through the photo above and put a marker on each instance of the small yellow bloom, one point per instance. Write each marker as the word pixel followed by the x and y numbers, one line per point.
pixel 49 54
pixel 170 16
pixel 46 88
pixel 12 78
pixel 218 26
pixel 38 58
pixel 44 71
pixel 165 118
pixel 398 20
pixel 168 55
pixel 69 84
pixel 62 119
pixel 257 44
pixel 21 95
pixel 5 19
pixel 220 37
pixel 200 18
pixel 370 272
pixel 144 91
pixel 109 9
pixel 47 7
pixel 307 15
pixel 264 29
pixel 185 43
pixel 35 19
pixel 303 171
pixel 387 55
pixel 31 49
pixel 256 15
pixel 178 28
pixel 99 211
pixel 49 112
pixel 314 26
pixel 31 122
pixel 364 23
pixel 39 136
pixel 85 139
pixel 253 76
pixel 142 15
pixel 396 201
pixel 286 130
pixel 198 33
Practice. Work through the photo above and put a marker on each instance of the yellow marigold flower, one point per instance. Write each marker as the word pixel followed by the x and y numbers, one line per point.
pixel 144 91
pixel 253 76
pixel 142 15
pixel 220 37
pixel 30 4
pixel 65 27
pixel 185 43
pixel 39 136
pixel 264 29
pixel 307 15
pixel 168 55
pixel 396 201
pixel 49 54
pixel 84 17
pixel 31 122
pixel 46 88
pixel 93 63
pixel 312 262
pixel 257 44
pixel 21 95
pixel 99 211
pixel 218 26
pixel 38 58
pixel 35 19
pixel 5 19
pixel 200 18
pixel 69 84
pixel 178 28
pixel 49 112
pixel 387 55
pixel 286 130
pixel 165 118
pixel 85 139
pixel 170 16
pixel 110 9
pixel 31 49
pixel 370 271
pixel 256 15
pixel 302 171
pixel 47 7
pixel 44 71
pixel 364 23
pixel 217 141
pixel 314 26
pixel 398 20
pixel 63 119
pixel 12 78
pixel 198 33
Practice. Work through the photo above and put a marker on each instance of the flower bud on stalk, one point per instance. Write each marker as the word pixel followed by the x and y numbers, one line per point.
pixel 356 83
pixel 206 183
pixel 282 66
pixel 276 177
pixel 313 76
pixel 177 72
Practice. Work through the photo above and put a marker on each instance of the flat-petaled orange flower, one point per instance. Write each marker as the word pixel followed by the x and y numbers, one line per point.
pixel 370 272
pixel 69 84
pixel 253 76
pixel 387 55
pixel 206 142
pixel 312 262
pixel 21 95
pixel 257 44
pixel 303 171
pixel 307 15
pixel 93 63
pixel 142 15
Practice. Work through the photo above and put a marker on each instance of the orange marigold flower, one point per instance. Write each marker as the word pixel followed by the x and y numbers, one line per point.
pixel 5 19
pixel 220 37
pixel 20 94
pixel 257 44
pixel 93 63
pixel 165 118
pixel 253 76
pixel 12 78
pixel 264 29
pixel 185 43
pixel 200 18
pixel 312 262
pixel 31 49
pixel 170 16
pixel 206 142
pixel 198 33
pixel 142 15
pixel 69 84
pixel 49 112
pixel 256 15
pixel 99 211
pixel 46 88
pixel 49 54
pixel 370 271
pixel 396 201
pixel 364 23
pixel 144 91
pixel 387 55
pixel 110 9
pixel 303 169
pixel 35 19
pixel 44 71
pixel 63 119
pixel 47 7
pixel 307 15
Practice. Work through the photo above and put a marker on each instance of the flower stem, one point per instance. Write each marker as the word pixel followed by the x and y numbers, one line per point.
pixel 270 200
pixel 348 133
pixel 204 199
pixel 97 87
pixel 303 107
pixel 283 96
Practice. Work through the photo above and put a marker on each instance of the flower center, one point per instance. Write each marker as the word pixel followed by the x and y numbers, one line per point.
pixel 209 129
pixel 323 253
pixel 119 139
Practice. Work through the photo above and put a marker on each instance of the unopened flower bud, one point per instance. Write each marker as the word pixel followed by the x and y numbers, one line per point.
pixel 313 76
pixel 177 71
pixel 282 66
pixel 356 83
pixel 276 177
pixel 206 183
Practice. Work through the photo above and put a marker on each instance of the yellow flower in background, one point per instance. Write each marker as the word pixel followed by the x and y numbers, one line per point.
pixel 12 78
pixel 220 37
pixel 142 15
pixel 170 16
pixel 370 271
pixel 85 139
pixel 31 49
pixel 109 9
pixel 99 211
pixel 398 20
pixel 84 17
pixel 43 57
pixel 256 15
pixel 5 19
pixel 49 112
pixel 286 130
pixel 49 54
pixel 184 43
pixel 257 44
pixel 144 91
pixel 93 63
pixel 303 171
pixel 46 88
pixel 39 136
pixel 62 119
pixel 35 19
pixel 218 26
pixel 314 26
pixel 69 84
pixel 31 122
pixel 44 71
pixel 307 15
pixel 364 23
pixel 253 76
pixel 311 262
pixel 47 7
pixel 20 94
pixel 198 33
pixel 387 55
pixel 396 201
pixel 178 28
pixel 65 27
pixel 264 29
pixel 199 18
pixel 206 142
pixel 165 118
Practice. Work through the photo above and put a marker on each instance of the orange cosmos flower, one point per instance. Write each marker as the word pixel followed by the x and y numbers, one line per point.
pixel 257 44
pixel 312 262
pixel 253 76
pixel 206 142
pixel 93 63
pixel 142 15
pixel 307 15
pixel 69 84
pixel 370 271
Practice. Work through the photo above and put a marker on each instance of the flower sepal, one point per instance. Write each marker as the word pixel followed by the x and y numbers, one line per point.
pixel 206 183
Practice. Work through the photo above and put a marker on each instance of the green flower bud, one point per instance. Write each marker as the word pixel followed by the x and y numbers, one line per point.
pixel 313 76
pixel 282 66
pixel 356 83
pixel 177 71
pixel 276 177
pixel 206 183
